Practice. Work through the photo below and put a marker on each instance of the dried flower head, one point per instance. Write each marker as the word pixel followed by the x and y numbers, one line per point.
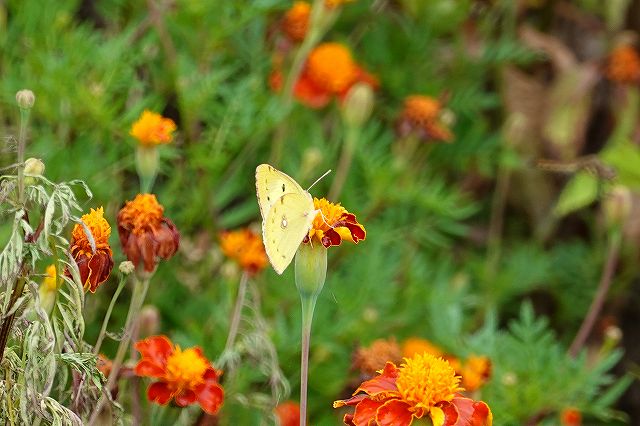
pixel 421 116
pixel 288 413
pixel 422 386
pixel 374 357
pixel 624 65
pixel 145 234
pixel 95 262
pixel 185 376
pixel 153 129
pixel 333 224
pixel 245 247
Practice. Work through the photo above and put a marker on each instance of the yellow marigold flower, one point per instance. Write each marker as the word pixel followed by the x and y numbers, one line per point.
pixel 145 234
pixel 624 65
pixel 94 266
pixel 296 21
pixel 50 282
pixel 331 67
pixel 475 372
pixel 422 386
pixel 421 116
pixel 373 358
pixel 245 247
pixel 416 346
pixel 333 223
pixel 153 129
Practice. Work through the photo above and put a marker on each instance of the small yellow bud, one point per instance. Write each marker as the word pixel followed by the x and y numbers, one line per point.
pixel 33 167
pixel 358 104
pixel 25 99
pixel 126 267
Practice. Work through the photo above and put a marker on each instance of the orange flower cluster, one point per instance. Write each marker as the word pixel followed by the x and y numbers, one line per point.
pixel 145 234
pixel 185 376
pixel 94 262
pixel 153 129
pixel 571 417
pixel 245 247
pixel 624 65
pixel 374 357
pixel 421 117
pixel 423 386
pixel 333 224
pixel 288 413
pixel 295 22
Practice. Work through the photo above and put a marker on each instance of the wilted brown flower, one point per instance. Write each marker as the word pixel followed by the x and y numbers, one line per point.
pixel 374 357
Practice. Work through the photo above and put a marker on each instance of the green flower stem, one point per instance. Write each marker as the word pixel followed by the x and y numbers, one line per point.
pixel 310 272
pixel 103 330
pixel 22 141
pixel 351 142
pixel 237 312
pixel 147 163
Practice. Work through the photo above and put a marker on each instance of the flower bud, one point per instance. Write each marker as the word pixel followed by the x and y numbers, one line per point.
pixel 149 321
pixel 33 167
pixel 147 163
pixel 617 206
pixel 25 99
pixel 126 267
pixel 311 269
pixel 358 104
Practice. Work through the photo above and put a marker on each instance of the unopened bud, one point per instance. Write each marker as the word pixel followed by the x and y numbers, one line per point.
pixel 126 267
pixel 149 321
pixel 617 206
pixel 33 167
pixel 311 160
pixel 357 105
pixel 25 99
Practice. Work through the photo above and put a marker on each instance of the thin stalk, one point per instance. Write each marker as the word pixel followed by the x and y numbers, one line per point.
pixel 5 329
pixel 613 254
pixel 494 239
pixel 346 158
pixel 105 322
pixel 237 312
pixel 22 141
pixel 308 306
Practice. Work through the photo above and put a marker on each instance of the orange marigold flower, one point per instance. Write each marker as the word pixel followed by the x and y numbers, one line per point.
pixel 334 223
pixel 296 21
pixel 624 65
pixel 153 129
pixel 571 417
pixel 373 358
pixel 185 376
pixel 246 248
pixel 145 234
pixel 475 372
pixel 288 413
pixel 94 262
pixel 422 386
pixel 416 345
pixel 421 116
pixel 104 364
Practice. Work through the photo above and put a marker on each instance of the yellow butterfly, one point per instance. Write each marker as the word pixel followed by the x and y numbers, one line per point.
pixel 287 214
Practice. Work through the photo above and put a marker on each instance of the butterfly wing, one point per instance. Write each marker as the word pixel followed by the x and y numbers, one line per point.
pixel 285 226
pixel 271 184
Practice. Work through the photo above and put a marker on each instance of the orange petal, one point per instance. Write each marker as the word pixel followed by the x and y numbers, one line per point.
pixel 149 368
pixel 186 397
pixel 394 413
pixel 354 400
pixel 385 382
pixel 472 413
pixel 444 414
pixel 159 392
pixel 155 348
pixel 365 412
pixel 309 94
pixel 210 397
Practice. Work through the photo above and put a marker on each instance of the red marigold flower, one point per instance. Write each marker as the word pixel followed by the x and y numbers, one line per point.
pixel 145 234
pixel 153 129
pixel 246 248
pixel 624 65
pixel 422 386
pixel 475 371
pixel 288 413
pixel 94 265
pixel 333 224
pixel 185 376
pixel 571 417
pixel 421 116
pixel 374 357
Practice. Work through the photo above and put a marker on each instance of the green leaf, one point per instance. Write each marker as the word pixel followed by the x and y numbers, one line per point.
pixel 581 191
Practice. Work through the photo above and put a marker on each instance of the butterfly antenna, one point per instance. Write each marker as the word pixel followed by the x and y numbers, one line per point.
pixel 318 180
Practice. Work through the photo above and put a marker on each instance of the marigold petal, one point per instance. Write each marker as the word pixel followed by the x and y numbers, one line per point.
pixel 99 266
pixel 168 239
pixel 186 397
pixel 365 412
pixel 472 413
pixel 210 397
pixel 330 238
pixel 394 412
pixel 148 368
pixel 441 418
pixel 156 348
pixel 348 420
pixel 385 382
pixel 354 400
pixel 307 93
pixel 159 392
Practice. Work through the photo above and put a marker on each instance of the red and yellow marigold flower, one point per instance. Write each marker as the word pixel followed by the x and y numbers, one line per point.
pixel 153 129
pixel 571 417
pixel 185 376
pixel 624 65
pixel 145 234
pixel 94 262
pixel 333 224
pixel 475 371
pixel 245 247
pixel 288 413
pixel 421 116
pixel 422 386
pixel 374 357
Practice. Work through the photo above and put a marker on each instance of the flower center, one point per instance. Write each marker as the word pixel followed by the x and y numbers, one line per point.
pixel 331 67
pixel 99 227
pixel 142 214
pixel 425 380
pixel 185 369
pixel 331 214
